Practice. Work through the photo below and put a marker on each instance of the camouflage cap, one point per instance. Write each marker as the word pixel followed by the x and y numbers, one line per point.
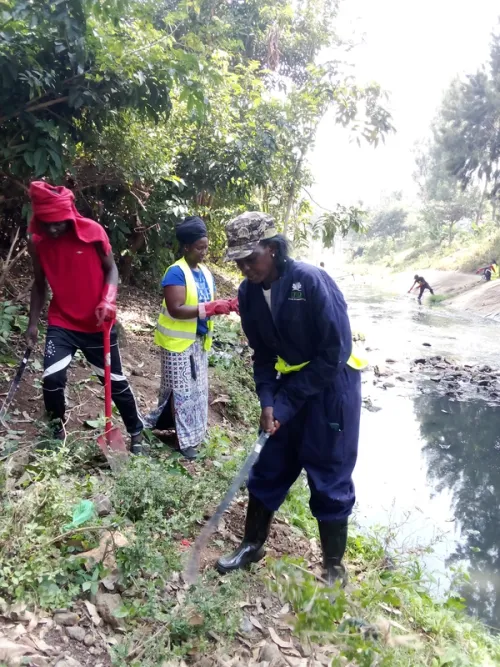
pixel 246 231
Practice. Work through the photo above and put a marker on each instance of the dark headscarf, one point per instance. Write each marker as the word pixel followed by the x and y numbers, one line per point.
pixel 190 230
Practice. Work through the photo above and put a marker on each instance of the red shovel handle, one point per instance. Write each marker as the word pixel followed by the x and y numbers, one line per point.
pixel 106 332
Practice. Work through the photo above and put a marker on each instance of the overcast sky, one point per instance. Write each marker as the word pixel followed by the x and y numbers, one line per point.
pixel 413 49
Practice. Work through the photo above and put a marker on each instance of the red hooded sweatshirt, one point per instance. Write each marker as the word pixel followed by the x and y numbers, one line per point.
pixel 71 262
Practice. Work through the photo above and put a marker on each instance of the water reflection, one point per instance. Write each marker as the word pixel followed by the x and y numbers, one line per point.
pixel 463 454
pixel 428 317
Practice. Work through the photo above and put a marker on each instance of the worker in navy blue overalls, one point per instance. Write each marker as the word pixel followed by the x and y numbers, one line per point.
pixel 295 318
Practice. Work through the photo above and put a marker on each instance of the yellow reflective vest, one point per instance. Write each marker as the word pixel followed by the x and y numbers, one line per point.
pixel 177 335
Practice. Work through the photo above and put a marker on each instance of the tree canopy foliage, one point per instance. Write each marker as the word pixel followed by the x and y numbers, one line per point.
pixel 152 109
pixel 468 130
pixel 461 166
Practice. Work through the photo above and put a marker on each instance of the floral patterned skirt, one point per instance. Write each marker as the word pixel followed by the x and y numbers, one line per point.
pixel 184 378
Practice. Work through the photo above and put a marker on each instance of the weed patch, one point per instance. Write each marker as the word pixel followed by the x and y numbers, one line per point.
pixel 13 319
pixel 232 373
pixel 436 299
pixel 34 565
pixel 388 618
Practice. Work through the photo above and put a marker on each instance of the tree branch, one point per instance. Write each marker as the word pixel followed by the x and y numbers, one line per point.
pixel 329 210
pixel 36 107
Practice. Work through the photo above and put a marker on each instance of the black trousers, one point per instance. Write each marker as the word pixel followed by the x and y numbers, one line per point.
pixel 60 347
pixel 422 290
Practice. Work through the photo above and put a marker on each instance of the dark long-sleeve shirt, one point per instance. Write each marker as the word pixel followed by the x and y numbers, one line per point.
pixel 308 321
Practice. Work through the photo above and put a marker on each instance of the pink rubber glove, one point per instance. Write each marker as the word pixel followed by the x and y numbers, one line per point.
pixel 219 307
pixel 106 310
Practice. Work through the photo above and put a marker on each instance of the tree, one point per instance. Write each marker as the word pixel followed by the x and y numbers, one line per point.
pixel 388 223
pixel 327 225
pixel 149 110
pixel 445 202
pixel 445 213
pixel 358 107
pixel 67 68
pixel 70 71
pixel 467 131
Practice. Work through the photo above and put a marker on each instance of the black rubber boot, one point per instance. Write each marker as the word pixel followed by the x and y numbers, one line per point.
pixel 251 549
pixel 333 535
pixel 58 432
pixel 136 444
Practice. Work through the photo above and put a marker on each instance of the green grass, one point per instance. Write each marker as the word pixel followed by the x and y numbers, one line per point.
pixel 436 299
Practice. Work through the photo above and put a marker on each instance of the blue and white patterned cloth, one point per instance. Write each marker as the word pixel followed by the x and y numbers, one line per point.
pixel 190 396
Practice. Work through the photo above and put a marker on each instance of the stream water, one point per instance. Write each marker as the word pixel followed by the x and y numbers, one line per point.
pixel 429 466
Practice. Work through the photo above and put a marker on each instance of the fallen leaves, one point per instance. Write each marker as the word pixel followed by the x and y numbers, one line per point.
pixel 256 623
pixel 92 612
pixel 277 639
pixel 12 653
pixel 105 552
pixel 196 620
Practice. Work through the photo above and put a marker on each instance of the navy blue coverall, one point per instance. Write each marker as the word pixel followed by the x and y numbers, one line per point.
pixel 319 406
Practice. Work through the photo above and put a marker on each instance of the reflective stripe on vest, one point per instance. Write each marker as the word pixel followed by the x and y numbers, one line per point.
pixel 164 311
pixel 177 335
pixel 358 363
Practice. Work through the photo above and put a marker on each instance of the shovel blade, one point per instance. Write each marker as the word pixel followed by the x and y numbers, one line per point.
pixel 113 447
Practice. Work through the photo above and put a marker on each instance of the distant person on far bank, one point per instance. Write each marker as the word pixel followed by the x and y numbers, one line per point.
pixel 490 272
pixel 494 269
pixel 423 285
pixel 322 265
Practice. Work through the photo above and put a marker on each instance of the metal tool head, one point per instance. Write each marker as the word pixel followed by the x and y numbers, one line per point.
pixel 114 448
pixel 191 570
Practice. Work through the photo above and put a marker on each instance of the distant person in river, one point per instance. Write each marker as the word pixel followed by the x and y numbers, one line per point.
pixel 490 272
pixel 184 334
pixel 322 265
pixel 73 255
pixel 423 285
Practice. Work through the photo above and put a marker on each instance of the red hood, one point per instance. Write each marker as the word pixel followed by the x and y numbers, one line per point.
pixel 55 204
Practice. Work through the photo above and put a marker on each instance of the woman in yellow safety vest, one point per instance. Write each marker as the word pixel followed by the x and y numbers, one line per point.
pixel 184 334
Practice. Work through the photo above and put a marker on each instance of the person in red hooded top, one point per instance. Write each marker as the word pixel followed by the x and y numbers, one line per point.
pixel 73 255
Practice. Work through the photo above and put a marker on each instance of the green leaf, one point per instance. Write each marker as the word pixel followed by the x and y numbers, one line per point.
pixel 121 612
pixel 93 423
pixel 56 158
pixel 29 158
pixel 40 161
